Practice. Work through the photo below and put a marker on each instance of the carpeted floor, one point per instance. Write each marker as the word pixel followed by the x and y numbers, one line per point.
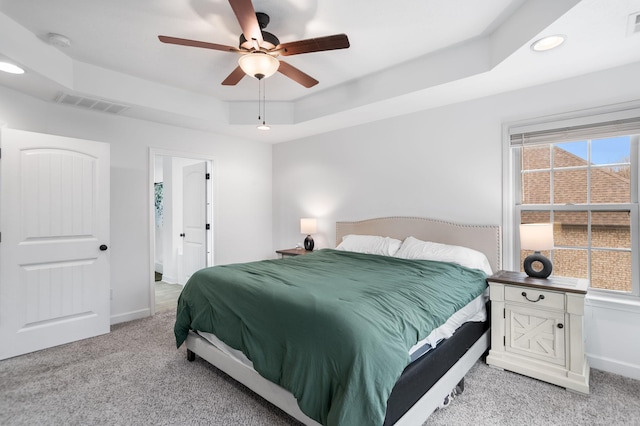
pixel 136 376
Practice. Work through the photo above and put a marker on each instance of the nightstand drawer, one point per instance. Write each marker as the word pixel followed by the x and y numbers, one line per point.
pixel 532 296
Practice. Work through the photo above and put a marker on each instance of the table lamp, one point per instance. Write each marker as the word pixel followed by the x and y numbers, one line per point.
pixel 308 226
pixel 537 237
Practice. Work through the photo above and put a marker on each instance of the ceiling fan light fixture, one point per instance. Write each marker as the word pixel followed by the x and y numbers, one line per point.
pixel 258 64
pixel 264 126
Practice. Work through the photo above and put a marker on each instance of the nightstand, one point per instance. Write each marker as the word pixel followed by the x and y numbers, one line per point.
pixel 293 252
pixel 537 328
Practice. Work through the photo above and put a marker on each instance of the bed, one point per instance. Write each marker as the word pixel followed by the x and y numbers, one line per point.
pixel 417 389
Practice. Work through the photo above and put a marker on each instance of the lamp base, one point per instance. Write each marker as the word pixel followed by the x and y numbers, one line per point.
pixel 308 243
pixel 535 271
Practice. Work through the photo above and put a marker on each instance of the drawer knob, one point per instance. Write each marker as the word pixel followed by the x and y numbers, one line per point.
pixel 540 297
pixel 560 325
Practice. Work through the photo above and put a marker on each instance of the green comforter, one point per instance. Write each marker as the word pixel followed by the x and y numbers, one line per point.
pixel 332 327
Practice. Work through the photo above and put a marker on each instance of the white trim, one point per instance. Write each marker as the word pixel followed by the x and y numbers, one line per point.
pixel 567 133
pixel 508 209
pixel 601 300
pixel 614 366
pixel 576 118
pixel 130 316
pixel 169 279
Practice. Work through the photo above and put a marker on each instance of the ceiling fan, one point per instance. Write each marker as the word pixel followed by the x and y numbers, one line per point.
pixel 260 49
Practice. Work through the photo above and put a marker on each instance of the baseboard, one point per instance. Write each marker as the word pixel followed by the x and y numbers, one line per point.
pixel 170 279
pixel 614 366
pixel 130 316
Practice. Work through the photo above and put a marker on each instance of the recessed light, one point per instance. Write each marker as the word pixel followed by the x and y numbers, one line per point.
pixel 548 43
pixel 10 68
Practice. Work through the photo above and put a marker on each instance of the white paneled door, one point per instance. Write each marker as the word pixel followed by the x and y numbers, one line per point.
pixel 194 216
pixel 54 258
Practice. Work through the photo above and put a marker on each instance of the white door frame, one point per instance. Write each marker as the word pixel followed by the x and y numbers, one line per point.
pixel 211 169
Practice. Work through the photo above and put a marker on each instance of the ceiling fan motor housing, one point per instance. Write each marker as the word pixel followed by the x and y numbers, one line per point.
pixel 263 19
pixel 270 41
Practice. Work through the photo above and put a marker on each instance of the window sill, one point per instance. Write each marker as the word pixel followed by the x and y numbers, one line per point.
pixel 620 303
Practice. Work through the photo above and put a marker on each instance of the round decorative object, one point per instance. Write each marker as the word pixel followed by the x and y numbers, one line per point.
pixel 537 266
pixel 308 243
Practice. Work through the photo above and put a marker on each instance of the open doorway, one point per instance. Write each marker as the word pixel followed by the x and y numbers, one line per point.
pixel 182 235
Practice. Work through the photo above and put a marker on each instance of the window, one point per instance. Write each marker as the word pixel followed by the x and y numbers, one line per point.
pixel 583 179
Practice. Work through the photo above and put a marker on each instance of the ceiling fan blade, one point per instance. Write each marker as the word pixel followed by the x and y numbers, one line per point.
pixel 296 75
pixel 195 43
pixel 246 16
pixel 234 78
pixel 333 42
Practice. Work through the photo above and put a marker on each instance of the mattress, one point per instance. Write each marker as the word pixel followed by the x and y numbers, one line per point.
pixel 474 311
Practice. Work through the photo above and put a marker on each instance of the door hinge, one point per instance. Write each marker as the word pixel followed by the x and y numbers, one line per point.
pixel 207 227
pixel 504 313
pixel 504 340
pixel 207 176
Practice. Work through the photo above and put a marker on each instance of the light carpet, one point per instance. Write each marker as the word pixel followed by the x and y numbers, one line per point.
pixel 136 376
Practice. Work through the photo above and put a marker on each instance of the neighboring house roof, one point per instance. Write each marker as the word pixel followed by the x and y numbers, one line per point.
pixel 570 186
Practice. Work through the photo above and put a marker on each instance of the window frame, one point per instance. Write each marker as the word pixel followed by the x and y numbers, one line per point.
pixel 512 183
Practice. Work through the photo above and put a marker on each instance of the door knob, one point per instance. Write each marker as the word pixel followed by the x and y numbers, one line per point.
pixel 182 235
pixel 103 247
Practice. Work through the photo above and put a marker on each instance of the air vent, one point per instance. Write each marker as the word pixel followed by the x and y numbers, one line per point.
pixel 89 103
pixel 633 26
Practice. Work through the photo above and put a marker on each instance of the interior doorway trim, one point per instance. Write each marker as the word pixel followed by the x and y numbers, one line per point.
pixel 211 207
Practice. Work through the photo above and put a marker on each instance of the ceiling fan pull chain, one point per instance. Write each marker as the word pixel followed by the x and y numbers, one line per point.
pixel 264 102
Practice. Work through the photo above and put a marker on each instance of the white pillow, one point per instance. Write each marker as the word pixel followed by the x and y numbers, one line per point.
pixel 370 244
pixel 413 248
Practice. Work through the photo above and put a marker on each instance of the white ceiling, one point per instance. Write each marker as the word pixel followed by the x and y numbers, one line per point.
pixel 405 55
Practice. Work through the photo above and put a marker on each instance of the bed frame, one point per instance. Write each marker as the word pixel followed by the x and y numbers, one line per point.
pixel 484 238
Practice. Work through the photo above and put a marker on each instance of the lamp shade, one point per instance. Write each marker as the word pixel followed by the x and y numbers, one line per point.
pixel 258 64
pixel 308 226
pixel 536 236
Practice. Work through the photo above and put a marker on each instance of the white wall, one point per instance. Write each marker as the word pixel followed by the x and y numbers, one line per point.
pixel 405 166
pixel 444 163
pixel 242 195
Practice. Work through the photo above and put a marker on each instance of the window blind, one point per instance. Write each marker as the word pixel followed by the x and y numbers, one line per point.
pixel 627 126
